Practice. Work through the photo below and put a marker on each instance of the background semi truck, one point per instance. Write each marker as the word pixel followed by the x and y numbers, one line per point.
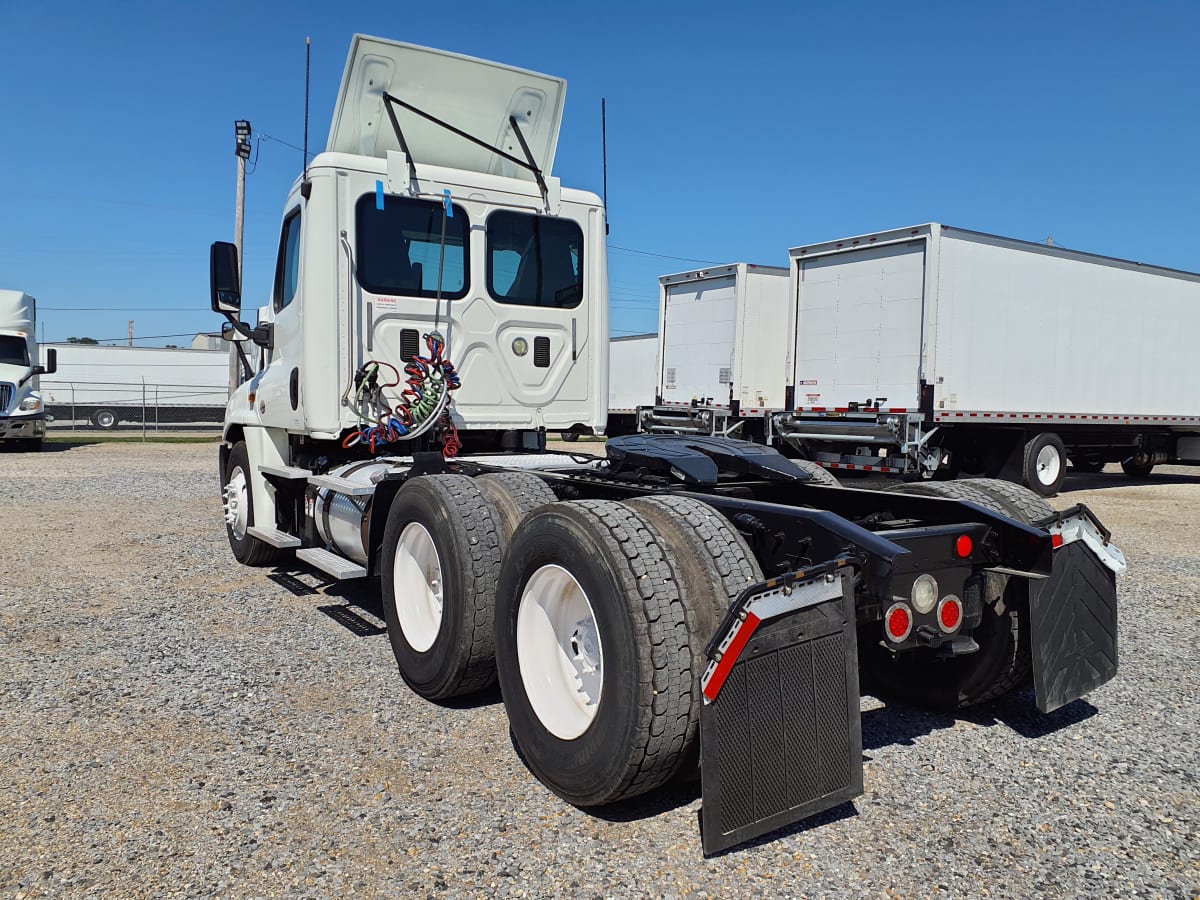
pixel 22 416
pixel 106 386
pixel 680 604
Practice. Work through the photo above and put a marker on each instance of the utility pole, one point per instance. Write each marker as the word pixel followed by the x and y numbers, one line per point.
pixel 241 129
pixel 131 332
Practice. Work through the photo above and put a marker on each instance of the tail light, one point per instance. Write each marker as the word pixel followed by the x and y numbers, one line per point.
pixel 964 545
pixel 950 614
pixel 898 622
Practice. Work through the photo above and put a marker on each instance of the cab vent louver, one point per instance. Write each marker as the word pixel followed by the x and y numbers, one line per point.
pixel 410 343
pixel 541 352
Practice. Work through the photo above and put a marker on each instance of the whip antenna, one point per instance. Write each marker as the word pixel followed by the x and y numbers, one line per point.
pixel 307 72
pixel 604 157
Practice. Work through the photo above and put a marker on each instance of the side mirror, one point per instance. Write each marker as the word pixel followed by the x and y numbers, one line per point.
pixel 224 281
pixel 229 333
pixel 51 365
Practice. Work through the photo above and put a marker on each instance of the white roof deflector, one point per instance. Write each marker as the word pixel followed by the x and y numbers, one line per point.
pixel 472 95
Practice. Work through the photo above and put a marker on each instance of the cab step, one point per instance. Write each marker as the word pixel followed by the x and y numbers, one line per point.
pixel 331 564
pixel 290 472
pixel 342 485
pixel 274 537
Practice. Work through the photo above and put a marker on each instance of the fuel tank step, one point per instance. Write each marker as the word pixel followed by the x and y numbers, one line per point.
pixel 331 564
pixel 274 537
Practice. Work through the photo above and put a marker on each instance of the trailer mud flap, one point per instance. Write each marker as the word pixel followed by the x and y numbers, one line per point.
pixel 780 730
pixel 1073 625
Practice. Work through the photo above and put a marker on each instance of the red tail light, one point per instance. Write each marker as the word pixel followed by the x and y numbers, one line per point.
pixel 1056 541
pixel 964 545
pixel 898 623
pixel 950 613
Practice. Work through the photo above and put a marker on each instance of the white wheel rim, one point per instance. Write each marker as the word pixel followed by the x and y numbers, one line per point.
pixel 237 504
pixel 105 419
pixel 1049 464
pixel 417 584
pixel 559 652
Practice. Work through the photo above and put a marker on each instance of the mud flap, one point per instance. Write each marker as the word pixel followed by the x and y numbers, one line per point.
pixel 780 730
pixel 1073 627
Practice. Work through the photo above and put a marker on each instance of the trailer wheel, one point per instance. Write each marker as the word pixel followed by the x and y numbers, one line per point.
pixel 441 558
pixel 1134 470
pixel 237 500
pixel 515 495
pixel 569 436
pixel 1003 661
pixel 1045 463
pixel 105 419
pixel 592 652
pixel 712 564
pixel 820 475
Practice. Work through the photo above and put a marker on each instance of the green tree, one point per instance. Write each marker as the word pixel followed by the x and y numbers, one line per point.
pixel 82 340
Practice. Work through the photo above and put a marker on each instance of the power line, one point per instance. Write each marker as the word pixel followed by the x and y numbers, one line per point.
pixel 707 262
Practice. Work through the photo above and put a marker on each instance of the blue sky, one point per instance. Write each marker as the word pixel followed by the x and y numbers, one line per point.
pixel 734 132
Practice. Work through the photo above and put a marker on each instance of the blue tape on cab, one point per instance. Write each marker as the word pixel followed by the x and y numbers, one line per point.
pixel 379 195
pixel 446 202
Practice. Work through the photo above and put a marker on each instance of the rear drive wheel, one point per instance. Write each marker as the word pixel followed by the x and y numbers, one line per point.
pixel 1000 665
pixel 105 419
pixel 1014 500
pixel 515 495
pixel 441 557
pixel 1045 463
pixel 592 652
pixel 238 503
pixel 820 475
pixel 712 564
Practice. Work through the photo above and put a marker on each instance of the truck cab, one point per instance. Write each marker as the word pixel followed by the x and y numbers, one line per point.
pixel 22 414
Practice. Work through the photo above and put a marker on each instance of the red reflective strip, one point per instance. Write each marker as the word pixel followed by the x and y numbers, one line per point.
pixel 1056 540
pixel 730 657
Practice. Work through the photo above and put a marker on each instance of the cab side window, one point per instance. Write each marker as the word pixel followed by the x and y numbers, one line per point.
pixel 287 270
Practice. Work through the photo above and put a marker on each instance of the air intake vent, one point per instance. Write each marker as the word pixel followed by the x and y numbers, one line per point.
pixel 541 352
pixel 410 343
pixel 6 395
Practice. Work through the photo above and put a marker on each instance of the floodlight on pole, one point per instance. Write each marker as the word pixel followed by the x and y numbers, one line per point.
pixel 242 129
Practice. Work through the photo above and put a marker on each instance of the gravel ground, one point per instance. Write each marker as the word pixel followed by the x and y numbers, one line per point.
pixel 173 724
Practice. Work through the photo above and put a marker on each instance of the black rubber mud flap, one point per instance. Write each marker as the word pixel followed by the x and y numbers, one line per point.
pixel 1073 627
pixel 782 740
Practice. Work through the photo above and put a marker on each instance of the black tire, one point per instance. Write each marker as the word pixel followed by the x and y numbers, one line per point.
pixel 514 495
pixel 1086 466
pixel 247 550
pixel 1003 662
pixel 105 419
pixel 465 532
pixel 32 445
pixel 820 475
pixel 712 563
pixel 569 436
pixel 636 735
pixel 1015 500
pixel 1134 470
pixel 1045 464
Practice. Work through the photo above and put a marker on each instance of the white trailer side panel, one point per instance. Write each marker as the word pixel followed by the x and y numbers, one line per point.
pixel 1028 328
pixel 632 372
pixel 858 327
pixel 123 376
pixel 697 327
pixel 761 361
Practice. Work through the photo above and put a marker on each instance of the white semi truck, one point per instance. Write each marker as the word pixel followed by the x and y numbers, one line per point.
pixel 22 415
pixel 934 351
pixel 682 603
pixel 107 386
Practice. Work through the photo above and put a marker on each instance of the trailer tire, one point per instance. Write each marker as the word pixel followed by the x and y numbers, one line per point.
pixel 105 419
pixel 1134 470
pixel 712 564
pixel 569 436
pixel 820 475
pixel 1045 463
pixel 237 497
pixel 514 495
pixel 592 652
pixel 1003 661
pixel 441 559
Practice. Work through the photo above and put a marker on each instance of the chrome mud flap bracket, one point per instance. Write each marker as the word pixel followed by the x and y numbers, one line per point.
pixel 1073 613
pixel 780 730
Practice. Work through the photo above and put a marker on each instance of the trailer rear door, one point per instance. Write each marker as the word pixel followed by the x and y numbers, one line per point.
pixel 699 325
pixel 858 333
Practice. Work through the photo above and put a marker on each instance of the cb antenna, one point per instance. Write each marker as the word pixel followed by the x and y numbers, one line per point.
pixel 604 157
pixel 307 71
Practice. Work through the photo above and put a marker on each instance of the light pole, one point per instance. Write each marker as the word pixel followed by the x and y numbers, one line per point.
pixel 241 129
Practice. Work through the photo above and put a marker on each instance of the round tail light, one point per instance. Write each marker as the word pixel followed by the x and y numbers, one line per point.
pixel 964 545
pixel 950 614
pixel 898 622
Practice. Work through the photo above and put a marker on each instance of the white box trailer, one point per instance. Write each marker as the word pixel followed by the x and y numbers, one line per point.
pixel 632 380
pixel 722 344
pixel 933 347
pixel 105 386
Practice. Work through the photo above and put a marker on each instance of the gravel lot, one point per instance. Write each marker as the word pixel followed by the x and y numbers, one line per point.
pixel 173 724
